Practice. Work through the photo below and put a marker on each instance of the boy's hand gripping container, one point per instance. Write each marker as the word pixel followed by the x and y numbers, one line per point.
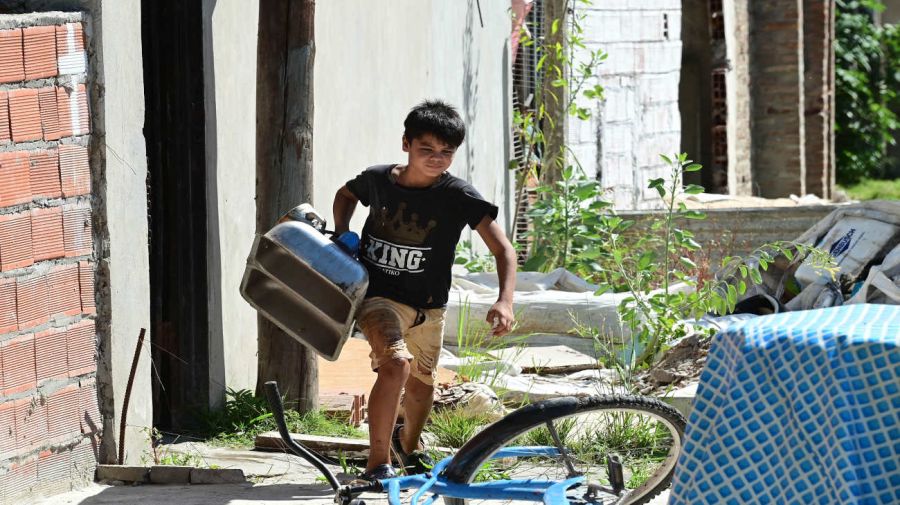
pixel 307 285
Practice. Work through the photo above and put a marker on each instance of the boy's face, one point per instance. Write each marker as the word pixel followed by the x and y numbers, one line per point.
pixel 428 155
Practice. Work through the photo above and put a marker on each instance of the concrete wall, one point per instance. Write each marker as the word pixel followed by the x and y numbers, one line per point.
pixel 375 60
pixel 738 231
pixel 639 119
pixel 737 89
pixel 229 31
pixel 123 279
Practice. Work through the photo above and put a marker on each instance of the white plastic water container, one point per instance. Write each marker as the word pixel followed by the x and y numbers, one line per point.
pixel 305 283
pixel 854 242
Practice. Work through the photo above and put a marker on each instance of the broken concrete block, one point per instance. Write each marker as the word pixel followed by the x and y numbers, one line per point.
pixel 682 398
pixel 123 473
pixel 556 359
pixel 217 476
pixel 170 474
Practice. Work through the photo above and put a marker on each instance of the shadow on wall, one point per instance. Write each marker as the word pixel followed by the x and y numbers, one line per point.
pixel 470 83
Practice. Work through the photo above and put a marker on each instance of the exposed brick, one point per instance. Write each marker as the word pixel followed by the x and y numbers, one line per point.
pixel 89 410
pixel 4 117
pixel 8 320
pixel 77 229
pixel 18 364
pixel 49 113
pixel 15 241
pixel 31 421
pixel 32 296
pixel 84 460
pixel 86 282
pixel 21 479
pixel 40 51
pixel 63 284
pixel 25 115
pixel 54 466
pixel 15 178
pixel 63 412
pixel 47 234
pixel 70 48
pixel 12 62
pixel 7 428
pixel 50 348
pixel 81 347
pixel 75 170
pixel 73 111
pixel 45 180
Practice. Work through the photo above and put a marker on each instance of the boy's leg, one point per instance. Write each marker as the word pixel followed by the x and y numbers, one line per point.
pixel 425 342
pixel 417 403
pixel 383 412
pixel 383 322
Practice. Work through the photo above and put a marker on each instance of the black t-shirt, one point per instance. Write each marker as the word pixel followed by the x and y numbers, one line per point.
pixel 409 239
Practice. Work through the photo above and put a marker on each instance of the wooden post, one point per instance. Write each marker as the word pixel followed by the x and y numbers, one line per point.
pixel 284 119
pixel 555 99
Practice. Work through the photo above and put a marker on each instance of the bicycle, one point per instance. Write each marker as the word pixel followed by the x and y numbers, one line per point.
pixel 565 438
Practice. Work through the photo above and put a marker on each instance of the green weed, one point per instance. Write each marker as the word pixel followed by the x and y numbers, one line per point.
pixel 245 415
pixel 453 427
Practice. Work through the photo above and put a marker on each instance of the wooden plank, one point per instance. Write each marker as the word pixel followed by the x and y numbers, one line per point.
pixel 330 446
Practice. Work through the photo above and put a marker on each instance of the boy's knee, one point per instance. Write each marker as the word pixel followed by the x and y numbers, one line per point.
pixel 395 368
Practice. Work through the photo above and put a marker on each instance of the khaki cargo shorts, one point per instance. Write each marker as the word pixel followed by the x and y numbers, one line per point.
pixel 396 330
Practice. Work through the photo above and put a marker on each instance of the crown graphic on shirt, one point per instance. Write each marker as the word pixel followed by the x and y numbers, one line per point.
pixel 398 229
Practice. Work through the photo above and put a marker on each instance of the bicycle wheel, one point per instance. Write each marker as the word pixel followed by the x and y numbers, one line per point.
pixel 644 434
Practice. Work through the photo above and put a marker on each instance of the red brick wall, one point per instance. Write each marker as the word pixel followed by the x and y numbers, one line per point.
pixel 777 97
pixel 49 417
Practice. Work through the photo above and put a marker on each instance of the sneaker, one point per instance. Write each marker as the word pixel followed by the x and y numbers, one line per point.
pixel 379 473
pixel 415 462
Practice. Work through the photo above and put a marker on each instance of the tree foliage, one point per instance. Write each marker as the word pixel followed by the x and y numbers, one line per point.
pixel 867 75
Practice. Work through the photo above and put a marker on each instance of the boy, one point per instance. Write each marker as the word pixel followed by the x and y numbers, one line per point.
pixel 417 212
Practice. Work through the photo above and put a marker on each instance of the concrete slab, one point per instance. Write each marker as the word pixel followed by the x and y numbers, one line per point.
pixel 554 359
pixel 217 476
pixel 170 474
pixel 682 398
pixel 531 388
pixel 255 464
pixel 124 473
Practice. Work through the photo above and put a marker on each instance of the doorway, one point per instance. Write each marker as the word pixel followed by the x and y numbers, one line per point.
pixel 172 37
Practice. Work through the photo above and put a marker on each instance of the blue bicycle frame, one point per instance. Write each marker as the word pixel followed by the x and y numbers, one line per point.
pixel 550 492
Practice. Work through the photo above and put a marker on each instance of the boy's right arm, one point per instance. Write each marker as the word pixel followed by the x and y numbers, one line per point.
pixel 342 209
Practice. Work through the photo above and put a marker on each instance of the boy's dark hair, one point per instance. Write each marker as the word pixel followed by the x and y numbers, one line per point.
pixel 437 118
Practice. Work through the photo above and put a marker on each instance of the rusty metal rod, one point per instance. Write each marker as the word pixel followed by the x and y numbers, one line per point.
pixel 134 362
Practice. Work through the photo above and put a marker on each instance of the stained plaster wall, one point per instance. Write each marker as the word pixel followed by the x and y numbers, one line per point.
pixel 374 63
pixel 229 32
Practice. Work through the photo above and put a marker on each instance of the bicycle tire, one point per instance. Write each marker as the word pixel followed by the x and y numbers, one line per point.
pixel 474 454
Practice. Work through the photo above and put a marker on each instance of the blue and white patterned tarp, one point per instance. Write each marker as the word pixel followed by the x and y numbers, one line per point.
pixel 799 407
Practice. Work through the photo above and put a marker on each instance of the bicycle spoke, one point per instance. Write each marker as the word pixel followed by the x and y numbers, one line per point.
pixel 562 449
pixel 624 448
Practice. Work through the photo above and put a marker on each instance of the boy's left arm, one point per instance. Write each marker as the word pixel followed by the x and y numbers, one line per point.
pixel 501 315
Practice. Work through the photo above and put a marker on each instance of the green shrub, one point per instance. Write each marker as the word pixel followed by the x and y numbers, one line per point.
pixel 867 75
